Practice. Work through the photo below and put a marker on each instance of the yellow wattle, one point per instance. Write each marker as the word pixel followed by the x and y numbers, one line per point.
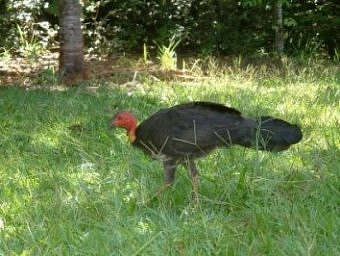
pixel 132 136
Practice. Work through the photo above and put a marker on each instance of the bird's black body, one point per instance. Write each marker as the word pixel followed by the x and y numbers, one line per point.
pixel 193 129
pixel 184 132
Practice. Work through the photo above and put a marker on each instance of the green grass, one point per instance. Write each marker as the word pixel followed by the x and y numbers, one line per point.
pixel 69 186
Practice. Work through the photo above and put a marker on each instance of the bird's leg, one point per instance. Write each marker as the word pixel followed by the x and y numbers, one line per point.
pixel 193 172
pixel 169 177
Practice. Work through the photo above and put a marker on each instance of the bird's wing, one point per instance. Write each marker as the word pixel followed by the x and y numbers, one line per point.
pixel 192 129
pixel 197 133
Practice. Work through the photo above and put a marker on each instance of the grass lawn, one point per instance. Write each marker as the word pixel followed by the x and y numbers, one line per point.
pixel 70 186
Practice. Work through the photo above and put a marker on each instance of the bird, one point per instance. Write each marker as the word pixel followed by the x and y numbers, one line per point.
pixel 180 134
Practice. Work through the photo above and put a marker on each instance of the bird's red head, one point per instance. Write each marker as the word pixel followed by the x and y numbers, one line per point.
pixel 127 121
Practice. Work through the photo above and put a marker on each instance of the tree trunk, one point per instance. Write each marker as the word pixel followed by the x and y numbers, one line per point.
pixel 279 34
pixel 71 58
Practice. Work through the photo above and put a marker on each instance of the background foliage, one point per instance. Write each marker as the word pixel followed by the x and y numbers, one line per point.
pixel 226 27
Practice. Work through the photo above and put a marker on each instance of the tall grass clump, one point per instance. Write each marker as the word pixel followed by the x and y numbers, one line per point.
pixel 167 55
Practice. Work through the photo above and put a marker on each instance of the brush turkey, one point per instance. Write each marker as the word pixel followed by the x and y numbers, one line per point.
pixel 180 134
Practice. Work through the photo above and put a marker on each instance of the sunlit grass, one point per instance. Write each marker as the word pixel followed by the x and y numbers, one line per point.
pixel 69 186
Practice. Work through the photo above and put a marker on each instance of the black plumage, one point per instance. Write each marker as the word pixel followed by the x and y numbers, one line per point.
pixel 180 134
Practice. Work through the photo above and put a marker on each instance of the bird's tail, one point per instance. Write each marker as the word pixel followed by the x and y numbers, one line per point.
pixel 275 134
